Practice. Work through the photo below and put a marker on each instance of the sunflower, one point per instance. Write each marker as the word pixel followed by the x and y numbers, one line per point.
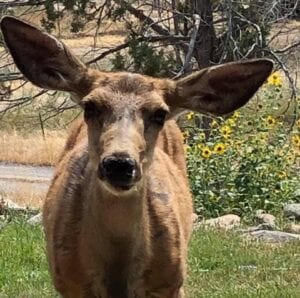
pixel 270 121
pixel 296 140
pixel 236 115
pixel 282 174
pixel 225 131
pixel 186 148
pixel 186 134
pixel 206 153
pixel 214 124
pixel 275 79
pixel 200 146
pixel 230 121
pixel 190 116
pixel 219 148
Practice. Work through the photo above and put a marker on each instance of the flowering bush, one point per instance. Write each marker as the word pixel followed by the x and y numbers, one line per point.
pixel 248 161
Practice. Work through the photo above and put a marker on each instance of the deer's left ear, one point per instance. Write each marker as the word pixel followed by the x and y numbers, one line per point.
pixel 219 90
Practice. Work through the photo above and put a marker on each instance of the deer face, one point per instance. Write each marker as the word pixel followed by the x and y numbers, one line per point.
pixel 124 115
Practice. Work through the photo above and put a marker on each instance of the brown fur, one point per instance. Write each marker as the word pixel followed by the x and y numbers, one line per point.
pixel 106 242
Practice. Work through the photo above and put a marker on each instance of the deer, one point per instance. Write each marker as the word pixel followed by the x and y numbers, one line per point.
pixel 117 215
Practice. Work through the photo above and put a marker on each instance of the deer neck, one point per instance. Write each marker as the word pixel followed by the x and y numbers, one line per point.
pixel 119 216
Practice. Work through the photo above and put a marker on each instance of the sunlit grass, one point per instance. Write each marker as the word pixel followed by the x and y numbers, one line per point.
pixel 33 148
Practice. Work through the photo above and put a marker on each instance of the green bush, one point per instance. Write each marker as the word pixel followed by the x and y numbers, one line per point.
pixel 249 161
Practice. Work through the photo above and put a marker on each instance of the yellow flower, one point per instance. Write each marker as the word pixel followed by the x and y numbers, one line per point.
pixel 226 131
pixel 206 153
pixel 282 174
pixel 202 136
pixel 200 146
pixel 270 121
pixel 186 148
pixel 219 148
pixel 296 140
pixel 186 134
pixel 190 116
pixel 230 121
pixel 214 124
pixel 238 144
pixel 274 79
pixel 236 115
pixel 290 156
pixel 298 123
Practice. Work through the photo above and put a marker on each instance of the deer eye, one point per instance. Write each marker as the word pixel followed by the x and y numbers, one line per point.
pixel 158 117
pixel 90 110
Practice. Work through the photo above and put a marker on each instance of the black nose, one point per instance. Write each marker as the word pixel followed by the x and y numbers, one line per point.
pixel 118 170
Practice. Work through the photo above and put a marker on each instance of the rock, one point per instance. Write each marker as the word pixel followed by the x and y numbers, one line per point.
pixel 227 222
pixel 272 236
pixel 7 206
pixel 265 219
pixel 293 228
pixel 194 218
pixel 292 210
pixel 35 220
pixel 263 226
pixel 3 221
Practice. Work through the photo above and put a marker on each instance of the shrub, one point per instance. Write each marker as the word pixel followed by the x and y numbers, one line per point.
pixel 247 161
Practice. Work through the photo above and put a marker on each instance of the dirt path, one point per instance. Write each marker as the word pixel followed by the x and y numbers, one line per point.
pixel 14 176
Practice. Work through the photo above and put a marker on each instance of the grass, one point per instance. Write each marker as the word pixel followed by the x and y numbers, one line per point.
pixel 220 265
pixel 31 148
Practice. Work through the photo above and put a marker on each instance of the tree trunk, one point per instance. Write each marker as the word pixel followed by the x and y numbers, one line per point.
pixel 204 52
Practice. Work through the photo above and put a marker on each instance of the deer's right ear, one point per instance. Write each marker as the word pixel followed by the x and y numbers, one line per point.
pixel 43 59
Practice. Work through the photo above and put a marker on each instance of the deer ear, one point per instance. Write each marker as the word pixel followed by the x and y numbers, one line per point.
pixel 219 90
pixel 43 59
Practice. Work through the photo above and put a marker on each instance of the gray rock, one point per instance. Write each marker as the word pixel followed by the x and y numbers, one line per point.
pixel 35 220
pixel 227 222
pixel 263 226
pixel 292 210
pixel 194 218
pixel 7 206
pixel 3 221
pixel 272 236
pixel 293 228
pixel 265 218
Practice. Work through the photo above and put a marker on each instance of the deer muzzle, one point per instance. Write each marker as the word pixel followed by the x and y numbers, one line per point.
pixel 119 170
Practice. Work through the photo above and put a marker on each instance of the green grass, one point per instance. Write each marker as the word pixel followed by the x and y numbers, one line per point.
pixel 220 265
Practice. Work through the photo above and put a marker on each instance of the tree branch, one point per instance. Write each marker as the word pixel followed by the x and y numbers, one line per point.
pixel 186 65
pixel 143 18
pixel 170 38
pixel 283 50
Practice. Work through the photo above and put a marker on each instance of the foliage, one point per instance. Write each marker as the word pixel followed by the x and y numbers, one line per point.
pixel 249 161
pixel 143 58
pixel 77 8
